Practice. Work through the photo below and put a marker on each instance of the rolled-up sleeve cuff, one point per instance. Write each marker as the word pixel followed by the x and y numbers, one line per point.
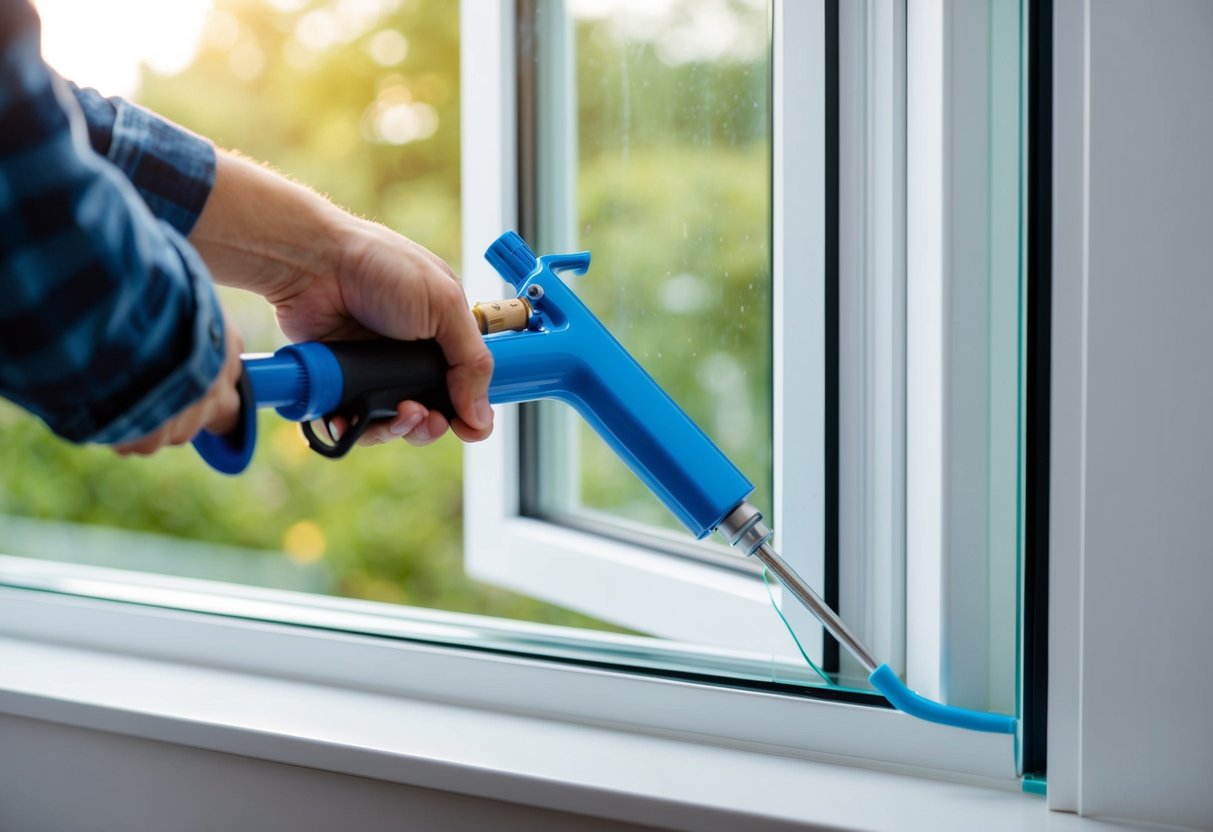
pixel 99 114
pixel 172 168
pixel 192 377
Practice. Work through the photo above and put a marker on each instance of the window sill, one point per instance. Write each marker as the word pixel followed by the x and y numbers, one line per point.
pixel 522 759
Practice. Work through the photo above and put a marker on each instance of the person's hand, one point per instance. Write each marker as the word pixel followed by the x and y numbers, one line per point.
pixel 332 276
pixel 387 285
pixel 217 411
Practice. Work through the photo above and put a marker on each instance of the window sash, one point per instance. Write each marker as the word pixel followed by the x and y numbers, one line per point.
pixel 552 449
pixel 568 565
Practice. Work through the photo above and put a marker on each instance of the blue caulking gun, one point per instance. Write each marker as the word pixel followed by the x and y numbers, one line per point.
pixel 547 344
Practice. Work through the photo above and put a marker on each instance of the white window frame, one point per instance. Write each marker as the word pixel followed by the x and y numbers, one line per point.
pixel 357 645
pixel 1129 552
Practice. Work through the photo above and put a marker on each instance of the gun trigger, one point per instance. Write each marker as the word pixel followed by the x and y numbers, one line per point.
pixel 357 421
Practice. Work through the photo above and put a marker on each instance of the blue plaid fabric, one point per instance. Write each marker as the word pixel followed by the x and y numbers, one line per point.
pixel 109 323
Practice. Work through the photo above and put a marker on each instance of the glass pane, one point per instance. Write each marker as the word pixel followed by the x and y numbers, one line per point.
pixel 672 172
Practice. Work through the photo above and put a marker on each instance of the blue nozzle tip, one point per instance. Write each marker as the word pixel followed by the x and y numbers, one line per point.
pixel 907 701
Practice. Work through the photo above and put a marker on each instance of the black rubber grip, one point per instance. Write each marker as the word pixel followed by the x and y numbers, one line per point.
pixel 377 375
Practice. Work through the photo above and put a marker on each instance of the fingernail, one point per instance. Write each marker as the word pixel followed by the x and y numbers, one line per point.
pixel 422 433
pixel 483 412
pixel 403 426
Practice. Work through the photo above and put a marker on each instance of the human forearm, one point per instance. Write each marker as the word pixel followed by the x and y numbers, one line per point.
pixel 262 232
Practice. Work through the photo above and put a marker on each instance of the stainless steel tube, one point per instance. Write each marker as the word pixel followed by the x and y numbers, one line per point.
pixel 814 604
pixel 743 529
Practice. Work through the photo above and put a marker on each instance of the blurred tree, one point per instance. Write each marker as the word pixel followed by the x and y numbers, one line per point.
pixel 357 98
pixel 673 194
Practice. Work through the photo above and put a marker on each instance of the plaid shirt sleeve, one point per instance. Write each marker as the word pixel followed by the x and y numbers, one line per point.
pixel 109 323
pixel 172 169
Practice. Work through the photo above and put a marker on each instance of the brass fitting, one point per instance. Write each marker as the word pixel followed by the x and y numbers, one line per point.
pixel 502 315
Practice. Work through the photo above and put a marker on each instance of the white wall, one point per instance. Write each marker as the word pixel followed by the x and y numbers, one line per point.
pixel 55 778
pixel 1131 629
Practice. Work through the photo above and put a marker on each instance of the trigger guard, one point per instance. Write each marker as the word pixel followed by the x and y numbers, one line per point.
pixel 359 420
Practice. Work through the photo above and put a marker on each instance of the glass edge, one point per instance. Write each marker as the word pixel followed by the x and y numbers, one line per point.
pixel 542 642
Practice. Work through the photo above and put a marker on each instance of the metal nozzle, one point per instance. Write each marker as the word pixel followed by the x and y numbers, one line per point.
pixel 743 528
pixel 502 315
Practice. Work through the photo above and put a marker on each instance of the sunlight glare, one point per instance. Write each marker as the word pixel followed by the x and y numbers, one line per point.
pixel 683 31
pixel 103 44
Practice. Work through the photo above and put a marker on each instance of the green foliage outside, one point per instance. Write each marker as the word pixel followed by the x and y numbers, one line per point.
pixel 675 209
pixel 673 198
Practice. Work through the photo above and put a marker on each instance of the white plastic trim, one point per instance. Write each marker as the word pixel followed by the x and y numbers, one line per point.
pixel 962 347
pixel 872 315
pixel 925 339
